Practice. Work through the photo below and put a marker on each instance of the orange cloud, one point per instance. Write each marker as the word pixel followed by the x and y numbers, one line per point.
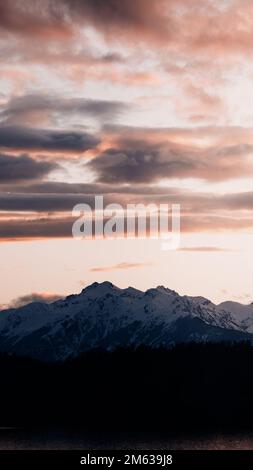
pixel 119 266
pixel 45 297
pixel 204 249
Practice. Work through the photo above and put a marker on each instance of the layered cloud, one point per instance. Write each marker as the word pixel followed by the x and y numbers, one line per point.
pixel 57 228
pixel 23 168
pixel 149 97
pixel 37 108
pixel 200 212
pixel 58 17
pixel 221 25
pixel 191 202
pixel 142 163
pixel 27 138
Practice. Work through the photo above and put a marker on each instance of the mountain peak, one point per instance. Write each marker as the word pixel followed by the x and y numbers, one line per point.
pixel 108 284
pixel 98 286
pixel 166 289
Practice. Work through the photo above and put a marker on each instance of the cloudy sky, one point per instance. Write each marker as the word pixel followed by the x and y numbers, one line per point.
pixel 140 101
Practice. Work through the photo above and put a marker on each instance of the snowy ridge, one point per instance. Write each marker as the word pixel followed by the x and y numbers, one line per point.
pixel 105 316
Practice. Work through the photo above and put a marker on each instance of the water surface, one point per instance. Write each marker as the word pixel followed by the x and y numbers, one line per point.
pixel 15 439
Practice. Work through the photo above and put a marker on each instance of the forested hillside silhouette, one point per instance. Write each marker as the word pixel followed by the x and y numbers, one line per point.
pixel 190 386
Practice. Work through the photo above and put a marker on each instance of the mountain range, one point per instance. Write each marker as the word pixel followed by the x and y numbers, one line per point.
pixel 105 316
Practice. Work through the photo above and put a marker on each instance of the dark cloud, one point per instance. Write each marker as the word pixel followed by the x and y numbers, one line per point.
pixel 28 107
pixel 24 138
pixel 59 18
pixel 191 202
pixel 136 165
pixel 22 168
pixel 59 187
pixel 49 203
pixel 142 163
pixel 142 17
pixel 62 202
pixel 42 202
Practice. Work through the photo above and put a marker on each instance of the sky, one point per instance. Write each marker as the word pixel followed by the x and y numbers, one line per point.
pixel 145 101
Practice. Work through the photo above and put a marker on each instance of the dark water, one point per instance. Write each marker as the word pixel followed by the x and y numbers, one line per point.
pixel 11 439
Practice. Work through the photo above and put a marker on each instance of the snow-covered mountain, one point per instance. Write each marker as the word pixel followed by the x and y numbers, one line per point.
pixel 104 316
pixel 243 314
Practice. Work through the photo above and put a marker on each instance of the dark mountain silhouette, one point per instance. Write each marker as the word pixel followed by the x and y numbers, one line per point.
pixel 189 387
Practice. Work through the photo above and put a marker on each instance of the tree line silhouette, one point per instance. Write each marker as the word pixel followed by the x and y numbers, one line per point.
pixel 191 386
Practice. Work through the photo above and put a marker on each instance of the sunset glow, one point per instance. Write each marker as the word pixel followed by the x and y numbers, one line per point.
pixel 142 102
